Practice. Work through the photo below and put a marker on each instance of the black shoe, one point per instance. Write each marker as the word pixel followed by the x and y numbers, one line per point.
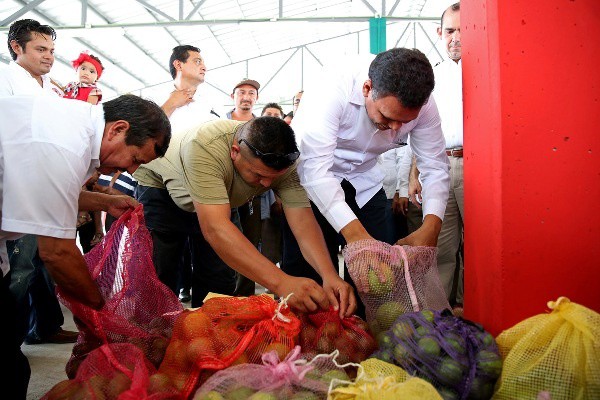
pixel 184 296
pixel 60 337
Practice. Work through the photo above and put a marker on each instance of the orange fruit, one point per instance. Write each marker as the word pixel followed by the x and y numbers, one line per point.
pixel 196 324
pixel 281 349
pixel 199 347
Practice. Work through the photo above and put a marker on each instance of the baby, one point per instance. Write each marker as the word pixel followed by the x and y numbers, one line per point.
pixel 89 69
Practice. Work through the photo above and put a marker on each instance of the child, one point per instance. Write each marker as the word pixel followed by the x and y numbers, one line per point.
pixel 89 69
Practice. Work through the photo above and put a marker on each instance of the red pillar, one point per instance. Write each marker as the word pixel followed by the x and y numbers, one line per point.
pixel 531 81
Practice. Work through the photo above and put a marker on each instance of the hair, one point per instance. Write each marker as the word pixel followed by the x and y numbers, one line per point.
pixel 146 121
pixel 272 105
pixel 403 73
pixel 20 31
pixel 454 7
pixel 270 135
pixel 182 54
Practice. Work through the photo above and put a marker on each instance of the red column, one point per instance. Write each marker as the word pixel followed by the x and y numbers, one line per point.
pixel 531 81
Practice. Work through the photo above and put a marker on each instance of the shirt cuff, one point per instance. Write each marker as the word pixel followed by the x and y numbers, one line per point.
pixel 340 215
pixel 435 207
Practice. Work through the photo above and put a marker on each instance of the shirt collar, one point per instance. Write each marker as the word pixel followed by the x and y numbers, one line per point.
pixel 20 70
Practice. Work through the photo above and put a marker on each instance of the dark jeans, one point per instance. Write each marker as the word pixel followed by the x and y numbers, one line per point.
pixel 14 378
pixel 39 313
pixel 171 227
pixel 371 215
pixel 396 223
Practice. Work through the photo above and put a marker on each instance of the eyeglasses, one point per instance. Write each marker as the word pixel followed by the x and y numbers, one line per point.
pixel 273 160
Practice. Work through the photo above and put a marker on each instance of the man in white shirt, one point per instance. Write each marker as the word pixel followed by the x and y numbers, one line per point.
pixel 182 257
pixel 448 97
pixel 63 142
pixel 31 46
pixel 355 114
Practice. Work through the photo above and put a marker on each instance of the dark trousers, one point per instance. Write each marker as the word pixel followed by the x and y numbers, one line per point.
pixel 251 227
pixel 171 227
pixel 371 215
pixel 397 227
pixel 14 378
pixel 39 313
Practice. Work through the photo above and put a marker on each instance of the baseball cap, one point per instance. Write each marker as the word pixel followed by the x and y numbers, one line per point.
pixel 247 81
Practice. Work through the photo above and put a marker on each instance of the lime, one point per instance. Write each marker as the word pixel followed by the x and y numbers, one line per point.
pixel 450 371
pixel 429 346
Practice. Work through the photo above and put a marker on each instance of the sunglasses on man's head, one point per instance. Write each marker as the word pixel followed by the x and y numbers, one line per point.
pixel 273 160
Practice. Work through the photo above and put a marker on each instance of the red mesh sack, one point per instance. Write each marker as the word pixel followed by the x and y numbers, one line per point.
pixel 295 377
pixel 114 371
pixel 392 280
pixel 138 308
pixel 324 332
pixel 456 356
pixel 226 331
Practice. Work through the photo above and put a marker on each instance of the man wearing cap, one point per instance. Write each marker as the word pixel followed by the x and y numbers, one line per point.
pixel 245 95
pixel 225 164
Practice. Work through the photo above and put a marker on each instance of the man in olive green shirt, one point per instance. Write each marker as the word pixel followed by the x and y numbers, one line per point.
pixel 224 164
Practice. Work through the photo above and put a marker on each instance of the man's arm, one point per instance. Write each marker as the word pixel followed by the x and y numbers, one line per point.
pixel 69 270
pixel 177 98
pixel 237 252
pixel 312 245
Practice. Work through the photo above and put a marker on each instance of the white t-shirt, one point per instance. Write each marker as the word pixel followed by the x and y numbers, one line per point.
pixel 193 114
pixel 16 81
pixel 49 147
pixel 449 99
pixel 338 141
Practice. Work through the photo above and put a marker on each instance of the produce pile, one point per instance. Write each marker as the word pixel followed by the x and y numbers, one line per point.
pixel 257 348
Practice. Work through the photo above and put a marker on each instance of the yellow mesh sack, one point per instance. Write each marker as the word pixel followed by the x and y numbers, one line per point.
pixel 555 355
pixel 384 381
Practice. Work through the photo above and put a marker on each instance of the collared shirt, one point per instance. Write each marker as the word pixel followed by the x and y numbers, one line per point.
pixel 15 80
pixel 48 149
pixel 449 99
pixel 192 114
pixel 338 141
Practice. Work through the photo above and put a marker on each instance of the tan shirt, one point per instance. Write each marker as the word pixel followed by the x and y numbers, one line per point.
pixel 198 167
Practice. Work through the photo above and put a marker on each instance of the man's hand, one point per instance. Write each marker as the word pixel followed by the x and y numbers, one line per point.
pixel 307 296
pixel 426 235
pixel 341 295
pixel 400 205
pixel 414 186
pixel 117 205
pixel 178 98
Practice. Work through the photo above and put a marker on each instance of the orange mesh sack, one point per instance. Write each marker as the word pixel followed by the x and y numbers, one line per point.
pixel 114 371
pixel 555 355
pixel 294 377
pixel 227 331
pixel 392 280
pixel 324 331
pixel 138 309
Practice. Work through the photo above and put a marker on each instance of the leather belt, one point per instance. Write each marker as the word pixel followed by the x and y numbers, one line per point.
pixel 456 152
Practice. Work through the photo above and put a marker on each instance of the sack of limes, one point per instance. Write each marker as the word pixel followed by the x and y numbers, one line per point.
pixel 324 331
pixel 379 380
pixel 556 353
pixel 455 355
pixel 392 280
pixel 295 377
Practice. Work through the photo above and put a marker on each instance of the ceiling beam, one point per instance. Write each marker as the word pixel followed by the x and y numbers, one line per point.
pixel 154 9
pixel 196 7
pixel 236 21
pixel 26 8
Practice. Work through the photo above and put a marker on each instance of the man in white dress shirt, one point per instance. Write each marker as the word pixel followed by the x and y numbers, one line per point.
pixel 178 242
pixel 448 96
pixel 345 122
pixel 48 149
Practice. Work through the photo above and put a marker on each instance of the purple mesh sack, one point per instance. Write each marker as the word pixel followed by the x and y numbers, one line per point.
pixel 458 357
pixel 393 280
